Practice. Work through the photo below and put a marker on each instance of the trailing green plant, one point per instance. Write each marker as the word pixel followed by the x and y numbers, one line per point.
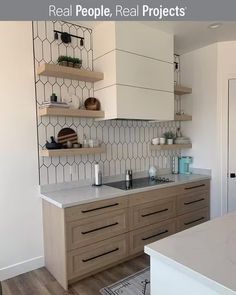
pixel 62 58
pixel 77 60
pixel 69 59
pixel 169 135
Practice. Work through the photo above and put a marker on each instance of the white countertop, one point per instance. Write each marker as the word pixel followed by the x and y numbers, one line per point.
pixel 75 196
pixel 206 253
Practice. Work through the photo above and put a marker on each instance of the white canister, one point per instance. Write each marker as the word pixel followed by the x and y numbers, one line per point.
pixel 162 140
pixel 170 141
pixel 155 141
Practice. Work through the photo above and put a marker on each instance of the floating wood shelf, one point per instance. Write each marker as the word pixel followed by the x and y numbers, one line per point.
pixel 72 152
pixel 183 117
pixel 170 147
pixel 181 90
pixel 54 70
pixel 69 112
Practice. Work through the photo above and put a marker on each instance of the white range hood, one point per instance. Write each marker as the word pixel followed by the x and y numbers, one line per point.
pixel 137 62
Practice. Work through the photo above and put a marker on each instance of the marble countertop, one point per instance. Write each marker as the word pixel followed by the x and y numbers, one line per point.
pixel 64 198
pixel 205 253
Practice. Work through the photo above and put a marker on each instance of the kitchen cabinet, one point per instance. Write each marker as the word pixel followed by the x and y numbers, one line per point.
pixel 138 71
pixel 91 230
pixel 151 233
pixel 93 257
pixel 84 239
pixel 191 219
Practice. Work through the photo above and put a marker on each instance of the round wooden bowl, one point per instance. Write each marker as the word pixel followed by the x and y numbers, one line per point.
pixel 92 104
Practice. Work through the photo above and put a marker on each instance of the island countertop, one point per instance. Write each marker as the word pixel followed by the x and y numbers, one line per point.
pixel 64 198
pixel 206 253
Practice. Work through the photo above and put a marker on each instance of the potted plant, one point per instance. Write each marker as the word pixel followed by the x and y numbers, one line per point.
pixel 169 136
pixel 77 63
pixel 62 60
pixel 70 61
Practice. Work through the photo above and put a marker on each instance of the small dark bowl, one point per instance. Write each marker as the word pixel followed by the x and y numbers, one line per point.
pixel 53 146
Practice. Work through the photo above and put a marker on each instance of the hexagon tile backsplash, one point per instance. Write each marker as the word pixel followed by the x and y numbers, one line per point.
pixel 126 142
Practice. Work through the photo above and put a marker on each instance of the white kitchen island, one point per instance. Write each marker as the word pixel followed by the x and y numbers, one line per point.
pixel 197 261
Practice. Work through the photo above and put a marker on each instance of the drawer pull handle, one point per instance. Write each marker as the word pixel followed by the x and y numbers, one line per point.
pixel 156 212
pixel 156 235
pixel 195 201
pixel 99 208
pixel 100 255
pixel 99 228
pixel 196 186
pixel 190 222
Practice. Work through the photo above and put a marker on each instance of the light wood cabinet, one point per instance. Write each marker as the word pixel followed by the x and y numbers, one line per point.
pixel 85 239
pixel 191 202
pixel 93 257
pixel 152 212
pixel 148 234
pixel 191 219
pixel 95 208
pixel 88 231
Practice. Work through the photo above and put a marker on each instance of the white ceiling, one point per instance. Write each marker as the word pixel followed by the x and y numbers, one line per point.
pixel 191 35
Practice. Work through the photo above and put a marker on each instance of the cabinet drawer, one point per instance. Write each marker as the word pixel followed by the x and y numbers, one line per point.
pixel 98 255
pixel 152 212
pixel 87 231
pixel 191 202
pixel 149 234
pixel 195 187
pixel 95 208
pixel 192 219
pixel 154 195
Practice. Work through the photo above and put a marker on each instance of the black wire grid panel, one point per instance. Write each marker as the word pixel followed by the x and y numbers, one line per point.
pixel 127 142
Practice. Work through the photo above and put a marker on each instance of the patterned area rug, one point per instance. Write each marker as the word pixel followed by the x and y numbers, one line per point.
pixel 136 284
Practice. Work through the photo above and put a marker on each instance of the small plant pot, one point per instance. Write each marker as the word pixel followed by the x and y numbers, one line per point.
pixel 77 65
pixel 162 140
pixel 70 64
pixel 63 63
pixel 170 141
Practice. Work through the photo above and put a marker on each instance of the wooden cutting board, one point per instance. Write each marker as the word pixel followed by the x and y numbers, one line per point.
pixel 67 134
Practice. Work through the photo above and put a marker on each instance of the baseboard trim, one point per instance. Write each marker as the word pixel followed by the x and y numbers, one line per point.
pixel 21 267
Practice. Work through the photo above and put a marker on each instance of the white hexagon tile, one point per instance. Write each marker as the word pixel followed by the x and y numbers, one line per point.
pixel 127 142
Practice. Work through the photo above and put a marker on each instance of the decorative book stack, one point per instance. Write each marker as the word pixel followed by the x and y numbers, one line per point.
pixel 54 104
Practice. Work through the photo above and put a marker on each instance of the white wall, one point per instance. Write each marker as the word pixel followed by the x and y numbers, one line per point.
pixel 207 71
pixel 226 71
pixel 21 247
pixel 199 71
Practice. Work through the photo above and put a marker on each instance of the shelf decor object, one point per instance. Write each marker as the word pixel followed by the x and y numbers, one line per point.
pixel 72 152
pixel 183 117
pixel 55 70
pixel 182 90
pixel 161 147
pixel 67 112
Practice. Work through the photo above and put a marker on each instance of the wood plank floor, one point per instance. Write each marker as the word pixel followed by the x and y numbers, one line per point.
pixel 41 282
